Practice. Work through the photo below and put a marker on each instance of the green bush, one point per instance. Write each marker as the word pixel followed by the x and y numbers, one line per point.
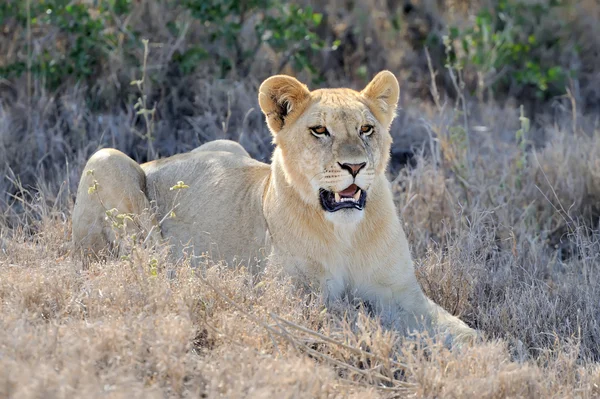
pixel 510 45
pixel 289 29
pixel 85 37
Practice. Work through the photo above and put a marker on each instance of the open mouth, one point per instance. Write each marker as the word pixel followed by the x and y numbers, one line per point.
pixel 351 197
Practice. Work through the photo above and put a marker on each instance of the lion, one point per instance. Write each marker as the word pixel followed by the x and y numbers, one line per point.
pixel 323 208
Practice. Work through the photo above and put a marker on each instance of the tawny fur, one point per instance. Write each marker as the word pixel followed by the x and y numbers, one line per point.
pixel 241 210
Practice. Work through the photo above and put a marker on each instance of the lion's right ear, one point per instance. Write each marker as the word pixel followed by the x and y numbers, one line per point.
pixel 282 97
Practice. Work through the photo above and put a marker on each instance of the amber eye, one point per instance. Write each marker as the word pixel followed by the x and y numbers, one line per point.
pixel 366 130
pixel 319 131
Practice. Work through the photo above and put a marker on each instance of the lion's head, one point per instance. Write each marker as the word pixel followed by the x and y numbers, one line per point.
pixel 334 142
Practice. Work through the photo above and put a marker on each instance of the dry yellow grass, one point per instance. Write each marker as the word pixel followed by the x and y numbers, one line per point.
pixel 114 330
pixel 119 329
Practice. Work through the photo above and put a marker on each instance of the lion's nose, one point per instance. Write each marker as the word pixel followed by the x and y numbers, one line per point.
pixel 352 168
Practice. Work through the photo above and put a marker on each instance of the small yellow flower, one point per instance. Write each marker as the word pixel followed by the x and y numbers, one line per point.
pixel 180 185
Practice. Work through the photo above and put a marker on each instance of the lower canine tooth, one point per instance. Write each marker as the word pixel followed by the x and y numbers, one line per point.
pixel 357 195
pixel 337 197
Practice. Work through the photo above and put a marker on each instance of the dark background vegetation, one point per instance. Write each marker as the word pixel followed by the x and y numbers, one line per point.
pixel 67 66
pixel 496 155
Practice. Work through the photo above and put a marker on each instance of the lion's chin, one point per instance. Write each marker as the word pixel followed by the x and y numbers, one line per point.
pixel 348 216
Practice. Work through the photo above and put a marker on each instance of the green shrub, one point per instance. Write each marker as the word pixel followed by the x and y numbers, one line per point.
pixel 289 29
pixel 512 45
pixel 85 37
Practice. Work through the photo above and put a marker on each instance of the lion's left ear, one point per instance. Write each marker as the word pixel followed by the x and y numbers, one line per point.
pixel 383 92
pixel 281 98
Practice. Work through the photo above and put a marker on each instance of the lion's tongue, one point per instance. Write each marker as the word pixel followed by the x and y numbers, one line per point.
pixel 348 192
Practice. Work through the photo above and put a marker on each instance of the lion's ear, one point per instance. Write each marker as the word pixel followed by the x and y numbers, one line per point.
pixel 281 97
pixel 383 92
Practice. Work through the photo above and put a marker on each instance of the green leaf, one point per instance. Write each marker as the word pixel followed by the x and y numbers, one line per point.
pixel 454 32
pixel 190 59
pixel 317 18
pixel 555 73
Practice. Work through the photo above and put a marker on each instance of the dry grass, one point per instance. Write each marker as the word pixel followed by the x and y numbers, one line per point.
pixel 116 329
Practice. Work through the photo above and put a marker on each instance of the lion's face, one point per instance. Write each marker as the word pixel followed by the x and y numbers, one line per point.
pixel 334 142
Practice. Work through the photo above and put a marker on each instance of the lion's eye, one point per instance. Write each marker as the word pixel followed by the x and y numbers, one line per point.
pixel 319 131
pixel 366 130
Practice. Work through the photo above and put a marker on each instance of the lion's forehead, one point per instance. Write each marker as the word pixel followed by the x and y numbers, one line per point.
pixel 335 96
pixel 337 99
pixel 352 114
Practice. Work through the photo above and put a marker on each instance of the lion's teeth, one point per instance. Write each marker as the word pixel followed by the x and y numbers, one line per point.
pixel 354 198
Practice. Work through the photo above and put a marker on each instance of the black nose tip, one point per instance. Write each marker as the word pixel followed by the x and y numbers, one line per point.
pixel 352 168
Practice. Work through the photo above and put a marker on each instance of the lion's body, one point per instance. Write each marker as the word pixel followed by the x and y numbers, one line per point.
pixel 221 213
pixel 239 209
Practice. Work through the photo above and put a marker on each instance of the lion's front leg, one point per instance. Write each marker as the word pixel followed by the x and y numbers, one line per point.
pixel 397 287
pixel 444 322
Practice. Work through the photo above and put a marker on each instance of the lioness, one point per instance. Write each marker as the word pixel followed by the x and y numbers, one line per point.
pixel 323 207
